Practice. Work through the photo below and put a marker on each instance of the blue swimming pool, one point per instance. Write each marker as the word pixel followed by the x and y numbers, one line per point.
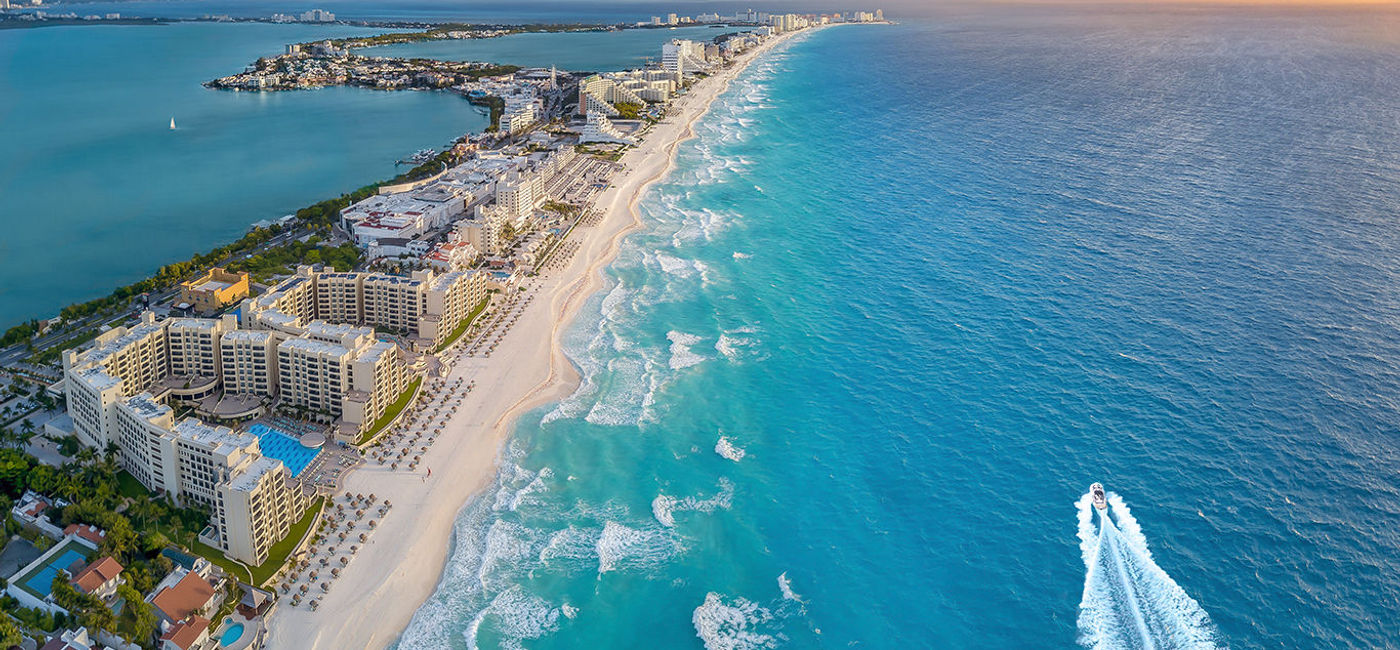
pixel 231 635
pixel 41 582
pixel 279 445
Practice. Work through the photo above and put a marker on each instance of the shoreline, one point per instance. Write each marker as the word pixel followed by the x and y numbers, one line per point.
pixel 400 567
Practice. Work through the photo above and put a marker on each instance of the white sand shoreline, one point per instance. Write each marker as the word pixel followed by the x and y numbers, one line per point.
pixel 397 570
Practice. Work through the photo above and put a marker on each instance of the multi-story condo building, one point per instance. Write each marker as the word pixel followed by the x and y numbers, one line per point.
pixel 193 345
pixel 398 303
pixel 253 500
pixel 394 301
pixel 338 297
pixel 519 194
pixel 683 58
pixel 249 362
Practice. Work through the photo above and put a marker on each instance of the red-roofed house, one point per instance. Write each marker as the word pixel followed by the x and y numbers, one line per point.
pixel 90 533
pixel 186 634
pixel 191 595
pixel 100 578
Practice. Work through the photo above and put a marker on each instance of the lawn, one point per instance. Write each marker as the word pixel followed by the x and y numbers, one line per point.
pixel 462 326
pixel 392 412
pixel 276 556
pixel 129 487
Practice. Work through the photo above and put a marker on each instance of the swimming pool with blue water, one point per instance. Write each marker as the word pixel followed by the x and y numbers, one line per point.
pixel 283 447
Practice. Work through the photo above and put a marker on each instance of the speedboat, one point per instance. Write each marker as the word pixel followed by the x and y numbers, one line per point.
pixel 1097 494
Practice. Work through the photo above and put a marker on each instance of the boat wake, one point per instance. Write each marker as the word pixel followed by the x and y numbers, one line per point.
pixel 1129 602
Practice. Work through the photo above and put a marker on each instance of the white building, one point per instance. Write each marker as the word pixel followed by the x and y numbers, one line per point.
pixel 599 128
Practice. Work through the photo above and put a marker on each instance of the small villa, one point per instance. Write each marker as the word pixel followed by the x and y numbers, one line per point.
pixel 101 578
pixel 189 634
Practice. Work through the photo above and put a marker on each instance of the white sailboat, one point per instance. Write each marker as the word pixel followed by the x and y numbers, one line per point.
pixel 172 124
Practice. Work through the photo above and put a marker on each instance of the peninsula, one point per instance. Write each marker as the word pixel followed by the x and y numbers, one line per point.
pixel 292 411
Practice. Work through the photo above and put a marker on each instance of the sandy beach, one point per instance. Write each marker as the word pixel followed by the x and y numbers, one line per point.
pixel 376 596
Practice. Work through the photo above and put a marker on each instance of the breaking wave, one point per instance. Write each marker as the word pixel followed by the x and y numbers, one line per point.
pixel 729 450
pixel 731 625
pixel 664 507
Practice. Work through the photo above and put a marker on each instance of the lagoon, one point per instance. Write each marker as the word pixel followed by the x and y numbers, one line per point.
pixel 97 191
pixel 599 51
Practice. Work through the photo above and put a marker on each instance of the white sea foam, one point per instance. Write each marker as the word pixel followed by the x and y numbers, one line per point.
pixel 741 256
pixel 1129 601
pixel 739 344
pixel 516 616
pixel 571 543
pixel 785 586
pixel 729 450
pixel 731 626
pixel 664 507
pixel 681 354
pixel 569 611
pixel 507 544
pixel 622 546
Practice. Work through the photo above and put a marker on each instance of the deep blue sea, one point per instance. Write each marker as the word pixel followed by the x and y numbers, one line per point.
pixel 913 288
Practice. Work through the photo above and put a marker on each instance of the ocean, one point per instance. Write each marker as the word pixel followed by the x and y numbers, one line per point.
pixel 912 288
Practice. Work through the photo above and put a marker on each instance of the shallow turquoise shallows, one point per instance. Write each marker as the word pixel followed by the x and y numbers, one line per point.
pixel 96 190
pixel 912 289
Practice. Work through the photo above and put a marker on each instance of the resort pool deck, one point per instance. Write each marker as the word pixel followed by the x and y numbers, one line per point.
pixel 237 633
pixel 279 445
pixel 231 635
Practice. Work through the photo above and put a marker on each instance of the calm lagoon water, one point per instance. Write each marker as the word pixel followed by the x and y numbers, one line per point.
pixel 590 51
pixel 97 191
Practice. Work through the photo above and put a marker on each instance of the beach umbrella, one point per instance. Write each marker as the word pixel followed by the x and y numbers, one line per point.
pixel 373 523
pixel 363 537
pixel 344 560
pixel 304 589
pixel 325 586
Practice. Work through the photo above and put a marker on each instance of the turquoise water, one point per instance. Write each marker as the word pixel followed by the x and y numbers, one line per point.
pixel 42 581
pixel 590 51
pixel 97 191
pixel 278 444
pixel 231 635
pixel 886 322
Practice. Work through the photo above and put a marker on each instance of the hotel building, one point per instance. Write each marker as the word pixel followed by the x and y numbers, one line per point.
pixel 214 290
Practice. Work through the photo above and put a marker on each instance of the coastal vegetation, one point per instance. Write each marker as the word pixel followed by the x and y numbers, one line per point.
pixel 276 556
pixel 392 412
pixel 497 106
pixel 462 326
pixel 448 31
pixel 90 490
pixel 629 110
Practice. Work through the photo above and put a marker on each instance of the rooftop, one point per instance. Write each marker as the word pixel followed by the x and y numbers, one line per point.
pixel 185 633
pixel 146 406
pixel 256 336
pixel 97 574
pixel 187 596
pixel 216 438
pixel 247 478
pixel 205 324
